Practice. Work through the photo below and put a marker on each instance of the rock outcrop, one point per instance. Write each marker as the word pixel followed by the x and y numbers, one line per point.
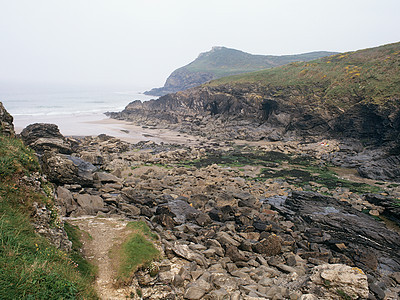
pixel 6 122
pixel 45 137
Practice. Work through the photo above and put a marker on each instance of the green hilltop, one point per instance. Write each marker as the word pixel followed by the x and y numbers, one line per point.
pixel 221 62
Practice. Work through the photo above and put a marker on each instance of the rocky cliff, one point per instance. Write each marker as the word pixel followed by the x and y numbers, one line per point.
pixel 354 95
pixel 222 61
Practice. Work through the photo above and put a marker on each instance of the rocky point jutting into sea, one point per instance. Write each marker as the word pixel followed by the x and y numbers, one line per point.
pixel 271 206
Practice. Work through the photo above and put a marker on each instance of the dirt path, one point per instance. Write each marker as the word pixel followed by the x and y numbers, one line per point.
pixel 103 233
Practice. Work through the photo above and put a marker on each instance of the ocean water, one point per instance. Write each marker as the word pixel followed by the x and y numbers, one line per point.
pixel 75 110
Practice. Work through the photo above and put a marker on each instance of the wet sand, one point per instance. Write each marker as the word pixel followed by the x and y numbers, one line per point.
pixel 93 125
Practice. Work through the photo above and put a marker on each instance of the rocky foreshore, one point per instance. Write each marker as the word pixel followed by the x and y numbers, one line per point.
pixel 236 222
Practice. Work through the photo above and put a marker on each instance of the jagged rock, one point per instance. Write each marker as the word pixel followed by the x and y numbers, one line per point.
pixel 220 294
pixel 6 122
pixel 130 209
pixel 91 204
pixel 65 200
pixel 104 177
pixel 233 253
pixel 337 280
pixel 225 239
pixel 185 252
pixel 45 137
pixel 197 289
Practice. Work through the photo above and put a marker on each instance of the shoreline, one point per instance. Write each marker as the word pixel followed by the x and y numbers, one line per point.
pixel 96 124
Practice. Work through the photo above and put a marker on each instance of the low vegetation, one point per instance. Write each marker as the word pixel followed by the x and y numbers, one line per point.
pixel 136 251
pixel 31 267
pixel 302 171
pixel 341 80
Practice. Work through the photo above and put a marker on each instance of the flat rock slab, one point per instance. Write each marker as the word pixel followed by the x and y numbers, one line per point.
pixel 329 222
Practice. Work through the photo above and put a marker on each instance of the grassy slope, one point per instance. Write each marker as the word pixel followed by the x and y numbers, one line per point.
pixel 224 61
pixel 31 267
pixel 371 75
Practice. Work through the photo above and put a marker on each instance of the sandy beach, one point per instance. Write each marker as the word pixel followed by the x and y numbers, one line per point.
pixel 95 124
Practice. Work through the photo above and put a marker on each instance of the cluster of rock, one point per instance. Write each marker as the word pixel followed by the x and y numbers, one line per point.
pixel 222 236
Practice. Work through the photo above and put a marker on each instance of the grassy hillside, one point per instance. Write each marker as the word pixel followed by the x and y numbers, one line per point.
pixel 371 75
pixel 31 267
pixel 221 62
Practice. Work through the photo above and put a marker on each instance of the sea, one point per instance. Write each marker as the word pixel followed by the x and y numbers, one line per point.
pixel 78 111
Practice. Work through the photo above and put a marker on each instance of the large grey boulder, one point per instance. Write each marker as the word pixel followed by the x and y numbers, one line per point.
pixel 66 169
pixel 91 204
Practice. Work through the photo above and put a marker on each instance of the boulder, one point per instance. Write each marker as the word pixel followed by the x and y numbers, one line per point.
pixel 45 137
pixel 65 200
pixel 338 280
pixel 104 177
pixel 66 169
pixel 6 122
pixel 91 204
pixel 197 289
pixel 184 251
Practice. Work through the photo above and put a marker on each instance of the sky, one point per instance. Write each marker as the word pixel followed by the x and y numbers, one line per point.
pixel 132 43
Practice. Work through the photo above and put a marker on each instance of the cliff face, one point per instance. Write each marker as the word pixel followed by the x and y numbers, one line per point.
pixel 256 112
pixel 221 62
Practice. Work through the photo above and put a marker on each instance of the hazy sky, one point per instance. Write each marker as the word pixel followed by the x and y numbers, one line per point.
pixel 139 43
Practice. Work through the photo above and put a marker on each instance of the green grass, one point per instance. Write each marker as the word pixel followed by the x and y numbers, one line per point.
pixel 15 158
pixel 31 267
pixel 142 227
pixel 136 251
pixel 342 80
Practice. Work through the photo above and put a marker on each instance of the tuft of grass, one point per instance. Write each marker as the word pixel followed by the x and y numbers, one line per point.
pixel 136 251
pixel 15 158
pixel 142 227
